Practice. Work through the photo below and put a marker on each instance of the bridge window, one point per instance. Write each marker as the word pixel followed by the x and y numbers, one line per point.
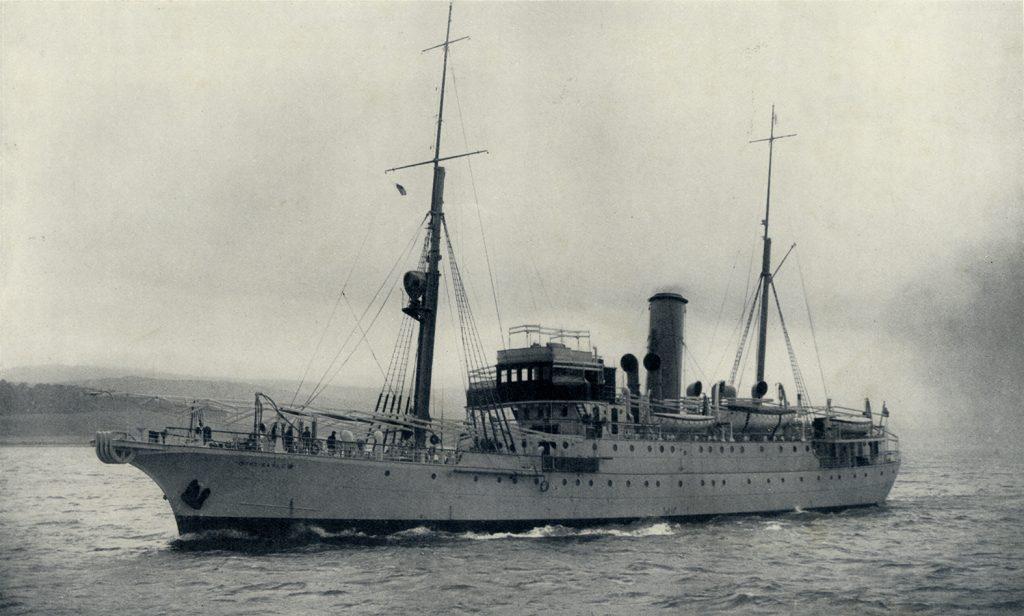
pixel 565 411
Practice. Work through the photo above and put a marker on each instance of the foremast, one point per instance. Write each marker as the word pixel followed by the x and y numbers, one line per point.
pixel 424 307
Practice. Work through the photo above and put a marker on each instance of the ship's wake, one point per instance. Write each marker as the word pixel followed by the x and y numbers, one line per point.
pixel 311 537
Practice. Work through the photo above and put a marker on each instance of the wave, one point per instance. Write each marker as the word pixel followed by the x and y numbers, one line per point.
pixel 312 537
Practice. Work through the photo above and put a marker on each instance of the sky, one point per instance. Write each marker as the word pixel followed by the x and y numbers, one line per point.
pixel 187 187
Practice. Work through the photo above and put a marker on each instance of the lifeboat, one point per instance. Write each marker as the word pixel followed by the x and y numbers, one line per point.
pixel 684 422
pixel 851 424
pixel 756 415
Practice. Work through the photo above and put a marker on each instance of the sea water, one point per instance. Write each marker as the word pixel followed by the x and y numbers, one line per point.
pixel 81 537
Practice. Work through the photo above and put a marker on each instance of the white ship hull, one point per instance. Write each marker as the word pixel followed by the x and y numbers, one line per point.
pixel 265 491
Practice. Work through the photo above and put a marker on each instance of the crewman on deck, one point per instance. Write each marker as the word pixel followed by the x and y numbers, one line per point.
pixel 332 441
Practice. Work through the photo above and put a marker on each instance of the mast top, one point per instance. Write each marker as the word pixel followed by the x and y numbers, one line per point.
pixel 440 112
pixel 771 139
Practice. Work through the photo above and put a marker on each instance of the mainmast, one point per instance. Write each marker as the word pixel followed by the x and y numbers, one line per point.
pixel 423 288
pixel 766 258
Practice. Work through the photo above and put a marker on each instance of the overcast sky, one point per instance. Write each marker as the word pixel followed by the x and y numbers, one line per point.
pixel 185 187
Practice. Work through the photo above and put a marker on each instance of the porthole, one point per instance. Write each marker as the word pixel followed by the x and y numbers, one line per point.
pixel 680 484
pixel 721 449
pixel 748 480
pixel 780 448
pixel 741 448
pixel 565 482
pixel 830 477
pixel 819 477
pixel 840 476
pixel 595 447
pixel 475 478
pixel 590 483
pixel 661 449
pixel 609 483
pixel 801 480
pixel 880 473
pixel 631 448
pixel 649 448
pixel 794 448
pixel 762 448
pixel 565 444
pixel 647 484
pixel 657 484
pixel 769 481
pixel 732 449
pixel 702 448
pixel 387 473
pixel 723 482
pixel 672 449
pixel 499 479
pixel 628 483
pixel 684 452
pixel 712 483
pixel 783 480
pixel 701 482
pixel 433 475
pixel 577 482
pixel 615 447
pixel 807 447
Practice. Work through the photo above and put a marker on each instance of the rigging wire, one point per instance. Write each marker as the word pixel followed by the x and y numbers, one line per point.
pixel 337 302
pixel 479 216
pixel 743 306
pixel 721 307
pixel 363 332
pixel 320 384
pixel 798 376
pixel 810 318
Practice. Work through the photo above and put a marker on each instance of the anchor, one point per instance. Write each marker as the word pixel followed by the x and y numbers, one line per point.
pixel 195 495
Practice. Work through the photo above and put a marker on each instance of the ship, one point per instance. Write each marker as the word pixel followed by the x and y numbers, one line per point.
pixel 552 434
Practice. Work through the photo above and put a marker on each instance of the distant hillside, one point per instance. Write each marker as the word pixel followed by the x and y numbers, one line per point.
pixel 73 410
pixel 66 404
pixel 58 373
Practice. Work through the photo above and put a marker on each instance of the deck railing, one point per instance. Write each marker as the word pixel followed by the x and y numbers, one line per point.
pixel 244 441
